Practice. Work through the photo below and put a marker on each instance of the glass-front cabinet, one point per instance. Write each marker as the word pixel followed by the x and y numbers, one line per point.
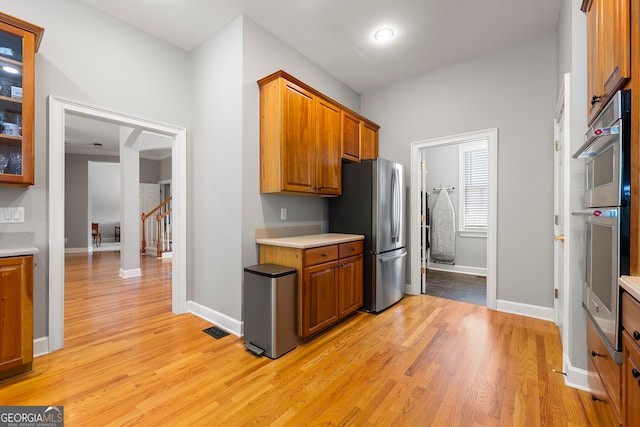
pixel 19 41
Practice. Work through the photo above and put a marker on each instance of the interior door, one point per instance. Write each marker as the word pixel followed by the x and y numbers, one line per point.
pixel 561 215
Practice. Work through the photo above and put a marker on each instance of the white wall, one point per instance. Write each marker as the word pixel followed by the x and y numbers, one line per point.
pixel 513 90
pixel 90 57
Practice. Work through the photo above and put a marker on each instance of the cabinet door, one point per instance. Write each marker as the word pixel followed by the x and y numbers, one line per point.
pixel 350 137
pixel 594 77
pixel 319 297
pixel 298 161
pixel 369 141
pixel 350 284
pixel 16 313
pixel 328 164
pixel 608 50
pixel 630 382
pixel 16 106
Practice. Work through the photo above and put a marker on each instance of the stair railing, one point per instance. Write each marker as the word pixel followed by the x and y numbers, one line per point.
pixel 144 217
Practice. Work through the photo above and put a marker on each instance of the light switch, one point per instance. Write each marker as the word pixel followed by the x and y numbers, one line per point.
pixel 12 215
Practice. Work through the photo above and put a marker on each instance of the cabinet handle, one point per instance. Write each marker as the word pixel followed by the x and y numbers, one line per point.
pixel 324 255
pixel 636 335
pixel 594 398
pixel 635 373
pixel 595 99
pixel 594 354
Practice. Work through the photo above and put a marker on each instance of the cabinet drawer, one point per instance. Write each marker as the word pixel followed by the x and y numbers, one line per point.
pixel 602 407
pixel 608 369
pixel 631 316
pixel 350 248
pixel 321 254
pixel 630 381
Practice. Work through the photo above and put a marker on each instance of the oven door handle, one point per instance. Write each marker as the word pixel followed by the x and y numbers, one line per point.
pixel 582 213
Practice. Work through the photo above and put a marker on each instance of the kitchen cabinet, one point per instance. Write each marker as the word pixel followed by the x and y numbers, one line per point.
pixel 604 379
pixel 630 360
pixel 608 50
pixel 369 140
pixel 327 149
pixel 350 278
pixel 304 135
pixel 16 315
pixel 329 281
pixel 19 40
pixel 350 137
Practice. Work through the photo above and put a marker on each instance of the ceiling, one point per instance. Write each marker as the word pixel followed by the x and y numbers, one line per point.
pixel 337 34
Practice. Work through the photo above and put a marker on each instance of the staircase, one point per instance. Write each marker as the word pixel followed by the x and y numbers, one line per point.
pixel 160 243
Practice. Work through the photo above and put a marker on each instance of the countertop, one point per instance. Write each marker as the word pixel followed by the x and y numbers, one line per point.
pixel 16 244
pixel 631 284
pixel 310 241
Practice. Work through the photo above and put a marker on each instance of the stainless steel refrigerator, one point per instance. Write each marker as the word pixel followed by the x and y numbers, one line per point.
pixel 373 204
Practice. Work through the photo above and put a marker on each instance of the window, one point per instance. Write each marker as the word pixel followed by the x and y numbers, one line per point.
pixel 474 191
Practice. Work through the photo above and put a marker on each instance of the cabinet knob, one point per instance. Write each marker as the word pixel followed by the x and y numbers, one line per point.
pixel 594 398
pixel 324 255
pixel 635 373
pixel 595 99
pixel 636 335
pixel 594 354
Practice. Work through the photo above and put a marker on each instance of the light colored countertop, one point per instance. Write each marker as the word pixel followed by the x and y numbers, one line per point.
pixel 310 241
pixel 631 284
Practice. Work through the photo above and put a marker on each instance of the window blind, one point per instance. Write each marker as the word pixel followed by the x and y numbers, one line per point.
pixel 476 189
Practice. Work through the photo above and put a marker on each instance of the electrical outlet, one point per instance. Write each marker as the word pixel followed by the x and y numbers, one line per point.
pixel 283 213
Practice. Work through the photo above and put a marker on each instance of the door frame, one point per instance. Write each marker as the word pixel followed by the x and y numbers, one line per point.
pixel 491 135
pixel 57 109
pixel 561 195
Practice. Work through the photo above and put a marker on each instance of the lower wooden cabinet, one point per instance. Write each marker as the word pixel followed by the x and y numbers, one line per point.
pixel 16 315
pixel 630 360
pixel 319 297
pixel 330 281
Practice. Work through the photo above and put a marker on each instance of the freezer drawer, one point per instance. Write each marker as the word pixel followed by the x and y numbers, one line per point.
pixel 390 276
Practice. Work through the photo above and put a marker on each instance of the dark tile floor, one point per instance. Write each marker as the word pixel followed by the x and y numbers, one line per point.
pixel 456 286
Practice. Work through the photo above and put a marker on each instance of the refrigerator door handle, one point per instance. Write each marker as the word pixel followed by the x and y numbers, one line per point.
pixel 395 206
pixel 393 258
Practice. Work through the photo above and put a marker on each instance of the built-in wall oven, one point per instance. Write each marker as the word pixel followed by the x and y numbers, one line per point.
pixel 607 176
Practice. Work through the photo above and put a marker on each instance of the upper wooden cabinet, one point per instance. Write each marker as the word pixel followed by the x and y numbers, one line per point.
pixel 304 135
pixel 19 40
pixel 608 50
pixel 368 140
pixel 350 137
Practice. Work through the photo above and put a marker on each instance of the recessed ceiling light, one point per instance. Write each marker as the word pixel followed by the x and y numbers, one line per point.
pixel 383 34
pixel 10 70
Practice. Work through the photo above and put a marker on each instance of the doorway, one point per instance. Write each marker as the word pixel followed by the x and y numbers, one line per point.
pixel 419 215
pixel 57 111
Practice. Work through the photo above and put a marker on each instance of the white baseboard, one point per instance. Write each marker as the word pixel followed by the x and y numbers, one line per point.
pixel 126 274
pixel 454 268
pixel 535 311
pixel 40 346
pixel 236 327
pixel 576 377
pixel 76 250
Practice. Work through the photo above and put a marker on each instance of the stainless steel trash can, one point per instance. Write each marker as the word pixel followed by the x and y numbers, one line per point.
pixel 270 310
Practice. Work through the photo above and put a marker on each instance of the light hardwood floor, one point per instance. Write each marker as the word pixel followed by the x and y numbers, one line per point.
pixel 425 362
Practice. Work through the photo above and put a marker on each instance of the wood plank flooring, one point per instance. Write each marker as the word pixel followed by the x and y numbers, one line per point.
pixel 425 362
